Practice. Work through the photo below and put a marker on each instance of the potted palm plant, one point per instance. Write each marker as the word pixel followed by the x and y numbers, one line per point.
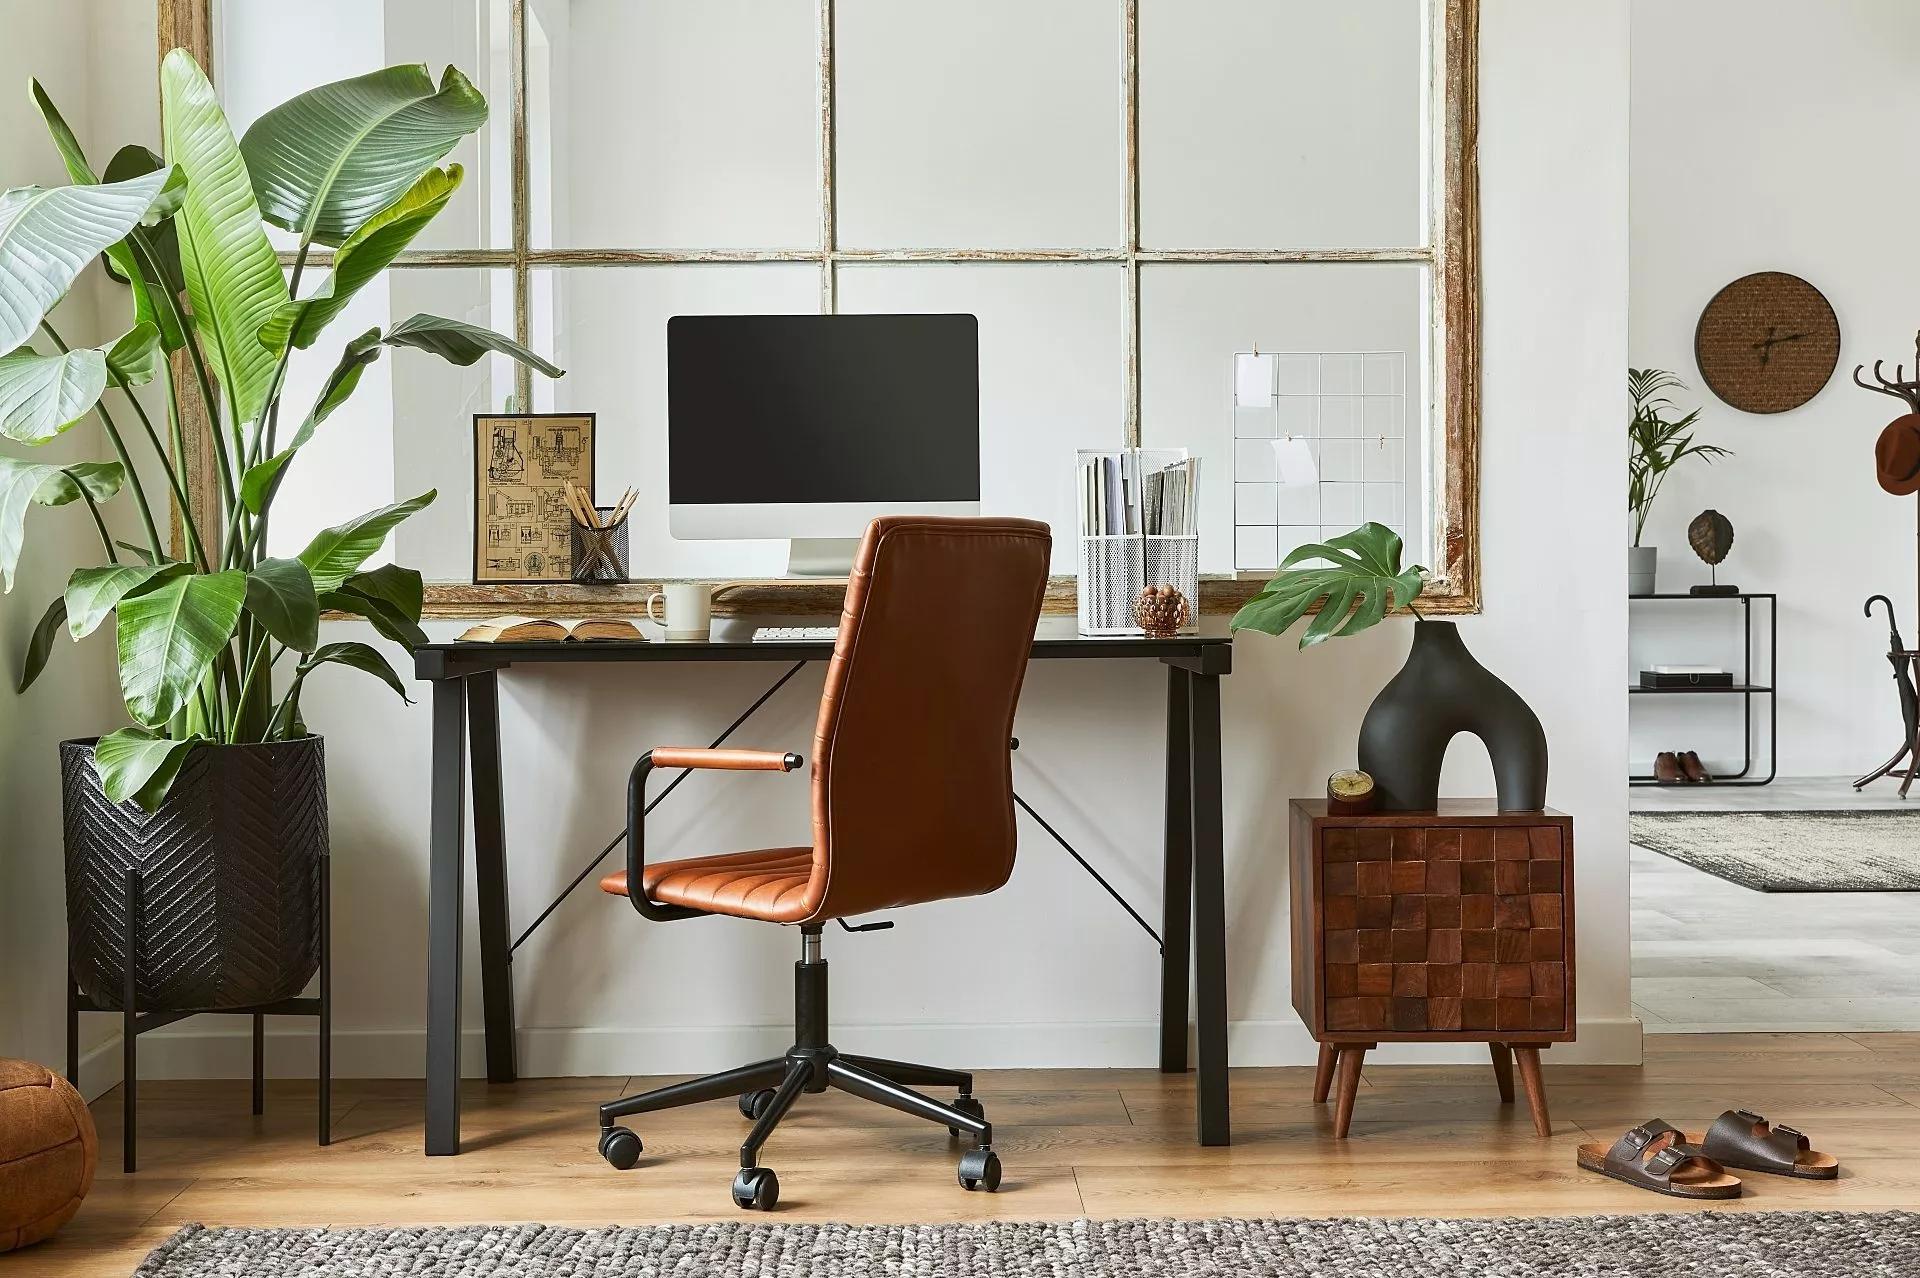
pixel 214 795
pixel 1655 446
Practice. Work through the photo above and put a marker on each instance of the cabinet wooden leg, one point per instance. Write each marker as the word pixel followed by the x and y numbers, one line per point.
pixel 1323 1074
pixel 1351 1056
pixel 1502 1070
pixel 1528 1059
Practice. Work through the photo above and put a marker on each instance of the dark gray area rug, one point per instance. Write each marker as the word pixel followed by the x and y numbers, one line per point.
pixel 1812 851
pixel 1692 1245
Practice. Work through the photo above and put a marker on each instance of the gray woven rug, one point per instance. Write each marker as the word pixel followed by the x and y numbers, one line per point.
pixel 1691 1245
pixel 1813 851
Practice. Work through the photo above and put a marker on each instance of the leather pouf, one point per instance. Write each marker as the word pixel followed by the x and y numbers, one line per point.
pixel 48 1151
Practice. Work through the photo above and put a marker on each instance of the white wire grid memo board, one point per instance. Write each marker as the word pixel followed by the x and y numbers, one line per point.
pixel 1350 410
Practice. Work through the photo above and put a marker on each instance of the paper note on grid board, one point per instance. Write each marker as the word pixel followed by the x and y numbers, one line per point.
pixel 1293 463
pixel 1253 380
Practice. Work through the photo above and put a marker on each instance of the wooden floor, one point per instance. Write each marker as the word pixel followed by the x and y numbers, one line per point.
pixel 1426 1141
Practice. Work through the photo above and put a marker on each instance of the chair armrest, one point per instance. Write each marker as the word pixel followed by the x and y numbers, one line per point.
pixel 679 757
pixel 727 760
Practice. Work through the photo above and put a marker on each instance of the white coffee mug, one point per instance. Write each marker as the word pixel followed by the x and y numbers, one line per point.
pixel 688 610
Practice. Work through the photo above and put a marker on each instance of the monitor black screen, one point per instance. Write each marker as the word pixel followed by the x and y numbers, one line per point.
pixel 822 408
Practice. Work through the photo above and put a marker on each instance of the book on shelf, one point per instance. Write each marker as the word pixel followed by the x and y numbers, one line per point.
pixel 1117 499
pixel 544 630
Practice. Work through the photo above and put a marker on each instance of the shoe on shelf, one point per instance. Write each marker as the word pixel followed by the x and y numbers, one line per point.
pixel 1694 769
pixel 1667 769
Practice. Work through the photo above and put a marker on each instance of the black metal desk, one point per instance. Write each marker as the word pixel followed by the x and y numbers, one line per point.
pixel 466 705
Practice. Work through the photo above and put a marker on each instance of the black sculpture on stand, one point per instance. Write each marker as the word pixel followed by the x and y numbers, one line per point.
pixel 1441 692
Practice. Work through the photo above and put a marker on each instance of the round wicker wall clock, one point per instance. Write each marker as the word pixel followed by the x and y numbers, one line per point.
pixel 1767 342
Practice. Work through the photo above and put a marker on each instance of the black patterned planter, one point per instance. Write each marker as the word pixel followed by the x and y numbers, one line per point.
pixel 229 868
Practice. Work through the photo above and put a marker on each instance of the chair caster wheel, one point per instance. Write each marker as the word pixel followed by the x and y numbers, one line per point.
pixel 980 1169
pixel 620 1147
pixel 967 1105
pixel 754 1104
pixel 756 1189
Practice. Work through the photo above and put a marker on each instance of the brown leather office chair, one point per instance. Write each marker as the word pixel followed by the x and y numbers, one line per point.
pixel 912 801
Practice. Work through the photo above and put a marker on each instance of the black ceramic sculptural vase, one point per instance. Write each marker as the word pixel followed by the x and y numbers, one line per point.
pixel 1441 692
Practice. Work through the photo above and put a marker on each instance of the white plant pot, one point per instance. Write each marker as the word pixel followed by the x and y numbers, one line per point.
pixel 1641 562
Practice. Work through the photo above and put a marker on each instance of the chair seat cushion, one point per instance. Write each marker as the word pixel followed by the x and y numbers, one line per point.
pixel 769 884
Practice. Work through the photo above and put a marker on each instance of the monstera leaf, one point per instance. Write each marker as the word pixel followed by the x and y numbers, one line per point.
pixel 1360 580
pixel 325 162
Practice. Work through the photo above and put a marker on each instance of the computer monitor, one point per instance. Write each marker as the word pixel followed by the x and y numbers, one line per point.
pixel 807 426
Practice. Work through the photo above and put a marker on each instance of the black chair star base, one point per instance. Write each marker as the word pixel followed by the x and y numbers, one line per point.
pixel 768 1090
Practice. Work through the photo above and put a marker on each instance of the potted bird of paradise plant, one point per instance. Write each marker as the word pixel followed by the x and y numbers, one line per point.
pixel 214 794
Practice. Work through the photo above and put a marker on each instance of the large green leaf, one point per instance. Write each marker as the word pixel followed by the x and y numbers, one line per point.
pixel 42 395
pixel 135 357
pixel 335 554
pixel 92 593
pixel 169 635
pixel 48 236
pixel 19 482
pixel 366 253
pixel 460 343
pixel 262 479
pixel 1362 580
pixel 233 278
pixel 121 263
pixel 390 597
pixel 361 657
pixel 138 765
pixel 326 161
pixel 40 646
pixel 97 480
pixel 162 244
pixel 280 595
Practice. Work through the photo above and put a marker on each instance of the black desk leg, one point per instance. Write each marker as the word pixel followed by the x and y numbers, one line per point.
pixel 1209 911
pixel 1176 879
pixel 490 873
pixel 445 910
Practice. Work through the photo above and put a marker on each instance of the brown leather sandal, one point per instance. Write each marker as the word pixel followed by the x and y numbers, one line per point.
pixel 1743 1139
pixel 1655 1156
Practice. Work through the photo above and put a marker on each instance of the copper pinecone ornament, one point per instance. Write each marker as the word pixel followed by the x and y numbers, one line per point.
pixel 1161 611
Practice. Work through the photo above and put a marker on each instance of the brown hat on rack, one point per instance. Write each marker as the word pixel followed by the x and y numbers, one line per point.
pixel 1896 455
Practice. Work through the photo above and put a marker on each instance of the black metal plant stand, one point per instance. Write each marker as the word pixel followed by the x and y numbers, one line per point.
pixel 134 1022
pixel 1746 688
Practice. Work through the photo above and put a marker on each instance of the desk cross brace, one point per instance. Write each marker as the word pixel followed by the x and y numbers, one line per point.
pixel 720 740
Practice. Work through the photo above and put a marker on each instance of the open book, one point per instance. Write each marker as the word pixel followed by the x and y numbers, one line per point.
pixel 539 629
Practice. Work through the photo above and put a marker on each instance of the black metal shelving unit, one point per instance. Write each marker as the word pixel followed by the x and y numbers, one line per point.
pixel 1744 687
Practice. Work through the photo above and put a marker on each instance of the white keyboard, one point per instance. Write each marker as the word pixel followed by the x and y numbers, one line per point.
pixel 796 634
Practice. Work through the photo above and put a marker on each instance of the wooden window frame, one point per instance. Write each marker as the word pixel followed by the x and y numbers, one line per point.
pixel 1452 255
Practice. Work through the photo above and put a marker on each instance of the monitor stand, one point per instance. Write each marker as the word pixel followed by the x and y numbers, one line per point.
pixel 821 556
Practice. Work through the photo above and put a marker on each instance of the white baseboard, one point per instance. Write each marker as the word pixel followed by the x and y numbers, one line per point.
pixel 211 1052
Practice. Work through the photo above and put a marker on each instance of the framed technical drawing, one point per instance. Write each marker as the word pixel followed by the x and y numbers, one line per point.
pixel 522 462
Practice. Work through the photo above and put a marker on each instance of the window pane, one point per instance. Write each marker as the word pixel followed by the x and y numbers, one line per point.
pixel 1052 369
pixel 407 427
pixel 994 124
pixel 689 124
pixel 1351 382
pixel 611 327
pixel 1282 123
pixel 258 66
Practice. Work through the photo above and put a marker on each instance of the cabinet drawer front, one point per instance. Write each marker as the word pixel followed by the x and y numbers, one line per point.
pixel 1443 928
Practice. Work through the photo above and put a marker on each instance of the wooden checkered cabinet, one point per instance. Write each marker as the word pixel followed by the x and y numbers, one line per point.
pixel 1446 926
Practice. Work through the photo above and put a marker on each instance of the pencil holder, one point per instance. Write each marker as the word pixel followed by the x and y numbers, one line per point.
pixel 600 554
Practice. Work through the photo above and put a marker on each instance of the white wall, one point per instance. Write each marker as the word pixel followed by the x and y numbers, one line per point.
pixel 78 693
pixel 1048 971
pixel 1768 135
